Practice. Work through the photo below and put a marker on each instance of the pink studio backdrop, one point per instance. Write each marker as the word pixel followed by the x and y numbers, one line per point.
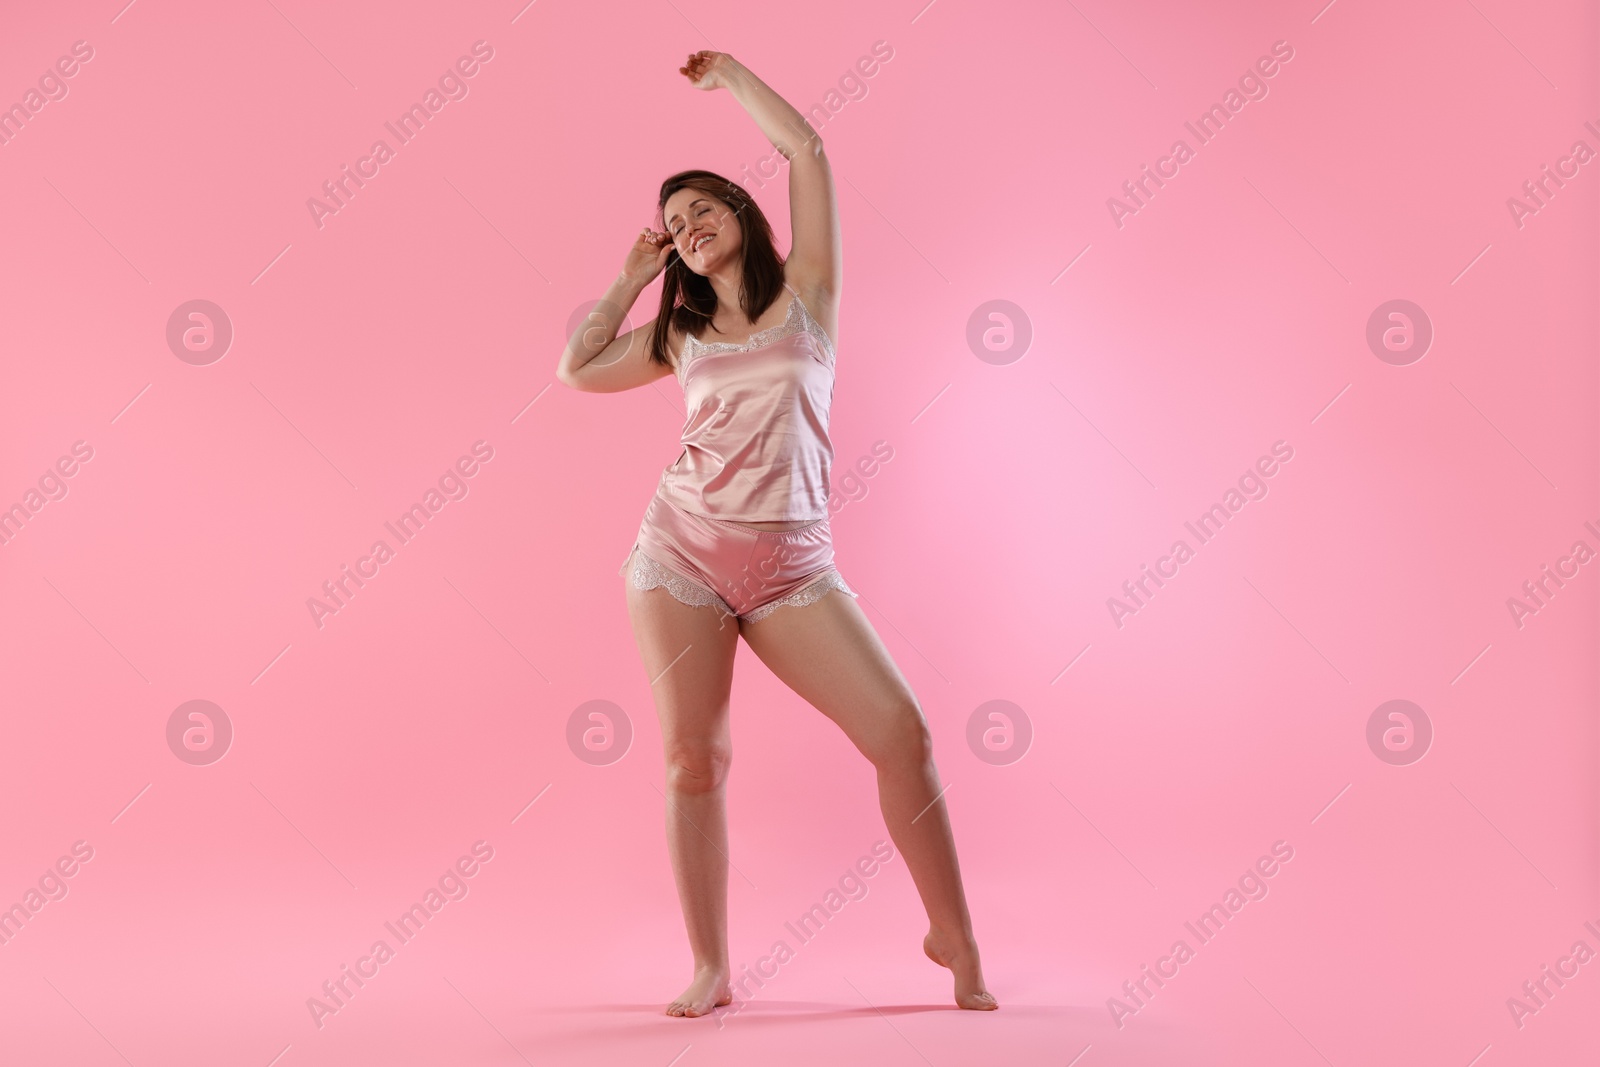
pixel 1389 476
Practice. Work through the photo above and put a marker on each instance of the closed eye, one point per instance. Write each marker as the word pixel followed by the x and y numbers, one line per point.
pixel 702 211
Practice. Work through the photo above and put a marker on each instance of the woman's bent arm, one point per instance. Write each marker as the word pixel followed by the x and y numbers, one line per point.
pixel 596 360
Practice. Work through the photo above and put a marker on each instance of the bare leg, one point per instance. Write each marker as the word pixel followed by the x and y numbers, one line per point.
pixel 688 657
pixel 829 654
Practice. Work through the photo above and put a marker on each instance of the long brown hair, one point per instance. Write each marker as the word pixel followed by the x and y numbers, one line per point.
pixel 687 299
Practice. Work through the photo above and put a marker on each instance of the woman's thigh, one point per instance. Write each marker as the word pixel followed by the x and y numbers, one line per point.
pixel 830 655
pixel 688 659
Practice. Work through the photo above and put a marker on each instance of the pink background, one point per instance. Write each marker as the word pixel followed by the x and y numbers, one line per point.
pixel 1230 713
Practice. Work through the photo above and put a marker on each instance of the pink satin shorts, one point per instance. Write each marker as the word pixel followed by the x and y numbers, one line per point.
pixel 746 573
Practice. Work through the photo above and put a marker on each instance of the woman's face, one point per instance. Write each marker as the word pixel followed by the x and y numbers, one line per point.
pixel 705 230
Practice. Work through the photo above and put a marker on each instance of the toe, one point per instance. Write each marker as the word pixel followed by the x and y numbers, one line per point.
pixel 983 1001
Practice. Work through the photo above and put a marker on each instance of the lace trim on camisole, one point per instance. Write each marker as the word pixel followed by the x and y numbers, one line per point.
pixel 796 320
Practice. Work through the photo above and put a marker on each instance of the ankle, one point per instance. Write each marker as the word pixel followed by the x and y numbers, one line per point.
pixel 953 936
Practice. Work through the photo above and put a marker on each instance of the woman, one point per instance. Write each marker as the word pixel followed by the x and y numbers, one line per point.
pixel 739 524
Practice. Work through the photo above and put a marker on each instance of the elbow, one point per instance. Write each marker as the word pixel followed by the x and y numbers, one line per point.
pixel 810 148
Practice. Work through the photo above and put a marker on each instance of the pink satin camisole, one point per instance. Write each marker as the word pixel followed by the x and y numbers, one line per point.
pixel 755 441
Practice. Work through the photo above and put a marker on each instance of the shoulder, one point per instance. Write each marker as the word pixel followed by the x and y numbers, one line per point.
pixel 819 299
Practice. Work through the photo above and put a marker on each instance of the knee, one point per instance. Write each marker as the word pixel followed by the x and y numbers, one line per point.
pixel 697 767
pixel 903 740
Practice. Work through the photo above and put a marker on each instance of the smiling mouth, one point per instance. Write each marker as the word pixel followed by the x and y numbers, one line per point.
pixel 701 242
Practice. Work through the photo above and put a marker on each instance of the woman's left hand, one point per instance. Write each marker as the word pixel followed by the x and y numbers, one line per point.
pixel 709 70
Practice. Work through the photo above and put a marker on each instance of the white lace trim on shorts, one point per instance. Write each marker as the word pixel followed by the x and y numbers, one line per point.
pixel 649 574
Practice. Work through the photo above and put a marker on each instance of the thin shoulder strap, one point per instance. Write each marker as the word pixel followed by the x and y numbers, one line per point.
pixel 809 321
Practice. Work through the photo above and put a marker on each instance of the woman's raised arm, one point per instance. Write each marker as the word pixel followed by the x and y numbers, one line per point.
pixel 816 258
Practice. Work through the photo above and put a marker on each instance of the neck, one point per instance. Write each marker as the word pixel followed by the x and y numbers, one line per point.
pixel 726 282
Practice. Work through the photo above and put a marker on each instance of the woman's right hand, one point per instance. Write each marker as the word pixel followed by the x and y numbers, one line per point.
pixel 648 256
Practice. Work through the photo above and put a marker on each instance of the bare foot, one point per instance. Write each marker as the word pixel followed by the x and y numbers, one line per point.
pixel 709 989
pixel 961 956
